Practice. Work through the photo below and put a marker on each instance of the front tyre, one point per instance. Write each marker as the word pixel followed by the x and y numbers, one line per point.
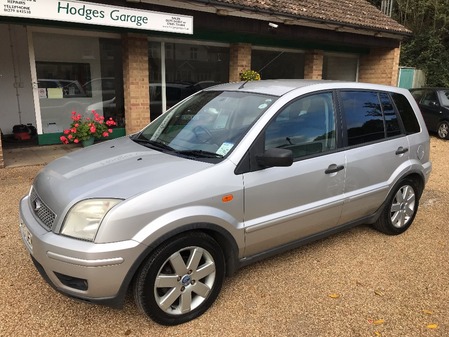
pixel 400 209
pixel 181 279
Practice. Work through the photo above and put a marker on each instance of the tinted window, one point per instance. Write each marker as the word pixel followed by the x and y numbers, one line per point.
pixel 406 112
pixel 430 98
pixel 417 94
pixel 391 119
pixel 305 126
pixel 444 97
pixel 363 115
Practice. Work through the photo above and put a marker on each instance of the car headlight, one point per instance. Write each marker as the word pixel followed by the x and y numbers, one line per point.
pixel 84 219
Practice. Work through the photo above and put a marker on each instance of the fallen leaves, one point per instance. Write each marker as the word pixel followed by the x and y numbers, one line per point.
pixel 379 292
pixel 432 326
pixel 379 322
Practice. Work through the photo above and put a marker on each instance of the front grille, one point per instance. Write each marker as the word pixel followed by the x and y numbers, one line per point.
pixel 41 210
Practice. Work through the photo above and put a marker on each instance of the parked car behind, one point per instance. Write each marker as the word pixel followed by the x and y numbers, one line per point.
pixel 434 105
pixel 230 175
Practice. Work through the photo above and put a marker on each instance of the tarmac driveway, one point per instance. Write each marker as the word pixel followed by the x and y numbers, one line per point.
pixel 358 283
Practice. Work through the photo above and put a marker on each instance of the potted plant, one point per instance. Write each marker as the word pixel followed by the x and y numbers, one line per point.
pixel 249 75
pixel 86 129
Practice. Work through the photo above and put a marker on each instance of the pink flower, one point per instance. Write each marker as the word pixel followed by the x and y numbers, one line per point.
pixel 110 130
pixel 110 122
pixel 70 136
pixel 105 134
pixel 76 125
pixel 76 140
pixel 73 130
pixel 93 129
pixel 66 132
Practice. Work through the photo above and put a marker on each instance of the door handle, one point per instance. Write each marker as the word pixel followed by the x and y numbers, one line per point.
pixel 401 150
pixel 334 168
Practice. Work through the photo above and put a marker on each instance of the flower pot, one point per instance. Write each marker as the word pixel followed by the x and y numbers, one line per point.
pixel 88 142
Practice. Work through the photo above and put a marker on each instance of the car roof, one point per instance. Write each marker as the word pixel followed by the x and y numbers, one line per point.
pixel 282 86
pixel 429 88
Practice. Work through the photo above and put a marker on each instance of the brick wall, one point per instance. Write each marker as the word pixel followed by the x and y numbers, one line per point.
pixel 380 66
pixel 313 65
pixel 136 82
pixel 240 60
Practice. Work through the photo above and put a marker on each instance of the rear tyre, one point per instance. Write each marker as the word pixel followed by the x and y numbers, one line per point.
pixel 443 130
pixel 181 279
pixel 400 209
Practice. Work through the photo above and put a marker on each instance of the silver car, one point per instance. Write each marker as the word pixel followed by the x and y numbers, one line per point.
pixel 230 175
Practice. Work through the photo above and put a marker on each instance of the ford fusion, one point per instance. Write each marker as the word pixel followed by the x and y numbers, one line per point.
pixel 228 176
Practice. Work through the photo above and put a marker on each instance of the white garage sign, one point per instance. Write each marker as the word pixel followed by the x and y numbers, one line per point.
pixel 95 14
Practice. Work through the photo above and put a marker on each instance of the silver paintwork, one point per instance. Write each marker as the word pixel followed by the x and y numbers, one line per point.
pixel 165 194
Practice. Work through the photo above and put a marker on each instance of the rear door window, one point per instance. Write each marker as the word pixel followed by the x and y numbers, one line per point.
pixel 363 117
pixel 369 116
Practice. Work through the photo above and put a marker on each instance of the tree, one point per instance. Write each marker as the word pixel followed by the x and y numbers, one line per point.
pixel 428 48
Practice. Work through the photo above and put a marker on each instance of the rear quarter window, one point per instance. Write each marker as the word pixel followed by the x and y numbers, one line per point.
pixel 407 113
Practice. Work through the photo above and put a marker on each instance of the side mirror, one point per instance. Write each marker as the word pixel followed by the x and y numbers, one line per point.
pixel 275 157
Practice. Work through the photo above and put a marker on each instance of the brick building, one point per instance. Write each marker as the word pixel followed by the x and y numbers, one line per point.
pixel 133 59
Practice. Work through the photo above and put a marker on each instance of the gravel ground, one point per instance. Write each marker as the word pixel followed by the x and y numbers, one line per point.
pixel 358 283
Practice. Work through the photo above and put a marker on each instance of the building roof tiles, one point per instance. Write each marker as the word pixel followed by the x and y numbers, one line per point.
pixel 353 13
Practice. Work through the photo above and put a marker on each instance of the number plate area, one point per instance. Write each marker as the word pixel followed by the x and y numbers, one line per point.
pixel 27 237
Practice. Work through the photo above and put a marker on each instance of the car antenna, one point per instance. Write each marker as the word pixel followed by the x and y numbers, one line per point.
pixel 274 58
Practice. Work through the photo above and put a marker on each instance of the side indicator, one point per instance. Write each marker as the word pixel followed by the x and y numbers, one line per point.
pixel 227 198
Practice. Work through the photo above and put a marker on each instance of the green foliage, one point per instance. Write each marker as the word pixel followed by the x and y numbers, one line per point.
pixel 249 75
pixel 429 52
pixel 428 48
pixel 82 128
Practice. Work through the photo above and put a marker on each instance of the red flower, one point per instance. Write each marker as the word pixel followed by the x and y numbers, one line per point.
pixel 83 128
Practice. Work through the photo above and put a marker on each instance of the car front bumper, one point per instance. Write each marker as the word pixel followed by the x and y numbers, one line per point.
pixel 84 270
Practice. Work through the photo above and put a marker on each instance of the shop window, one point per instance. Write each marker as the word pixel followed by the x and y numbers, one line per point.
pixel 188 69
pixel 277 64
pixel 193 53
pixel 341 68
pixel 79 74
pixel 63 79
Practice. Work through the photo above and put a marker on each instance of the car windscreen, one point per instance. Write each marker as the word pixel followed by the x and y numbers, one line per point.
pixel 207 125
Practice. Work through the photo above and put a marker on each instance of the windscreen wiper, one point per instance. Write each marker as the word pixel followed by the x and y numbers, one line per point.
pixel 200 154
pixel 154 144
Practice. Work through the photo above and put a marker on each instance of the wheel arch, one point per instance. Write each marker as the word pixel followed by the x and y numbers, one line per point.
pixel 226 241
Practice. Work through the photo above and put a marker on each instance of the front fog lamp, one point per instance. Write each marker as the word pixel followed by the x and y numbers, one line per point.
pixel 84 219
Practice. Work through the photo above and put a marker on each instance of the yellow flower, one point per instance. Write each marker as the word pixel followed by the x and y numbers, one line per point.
pixel 249 75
